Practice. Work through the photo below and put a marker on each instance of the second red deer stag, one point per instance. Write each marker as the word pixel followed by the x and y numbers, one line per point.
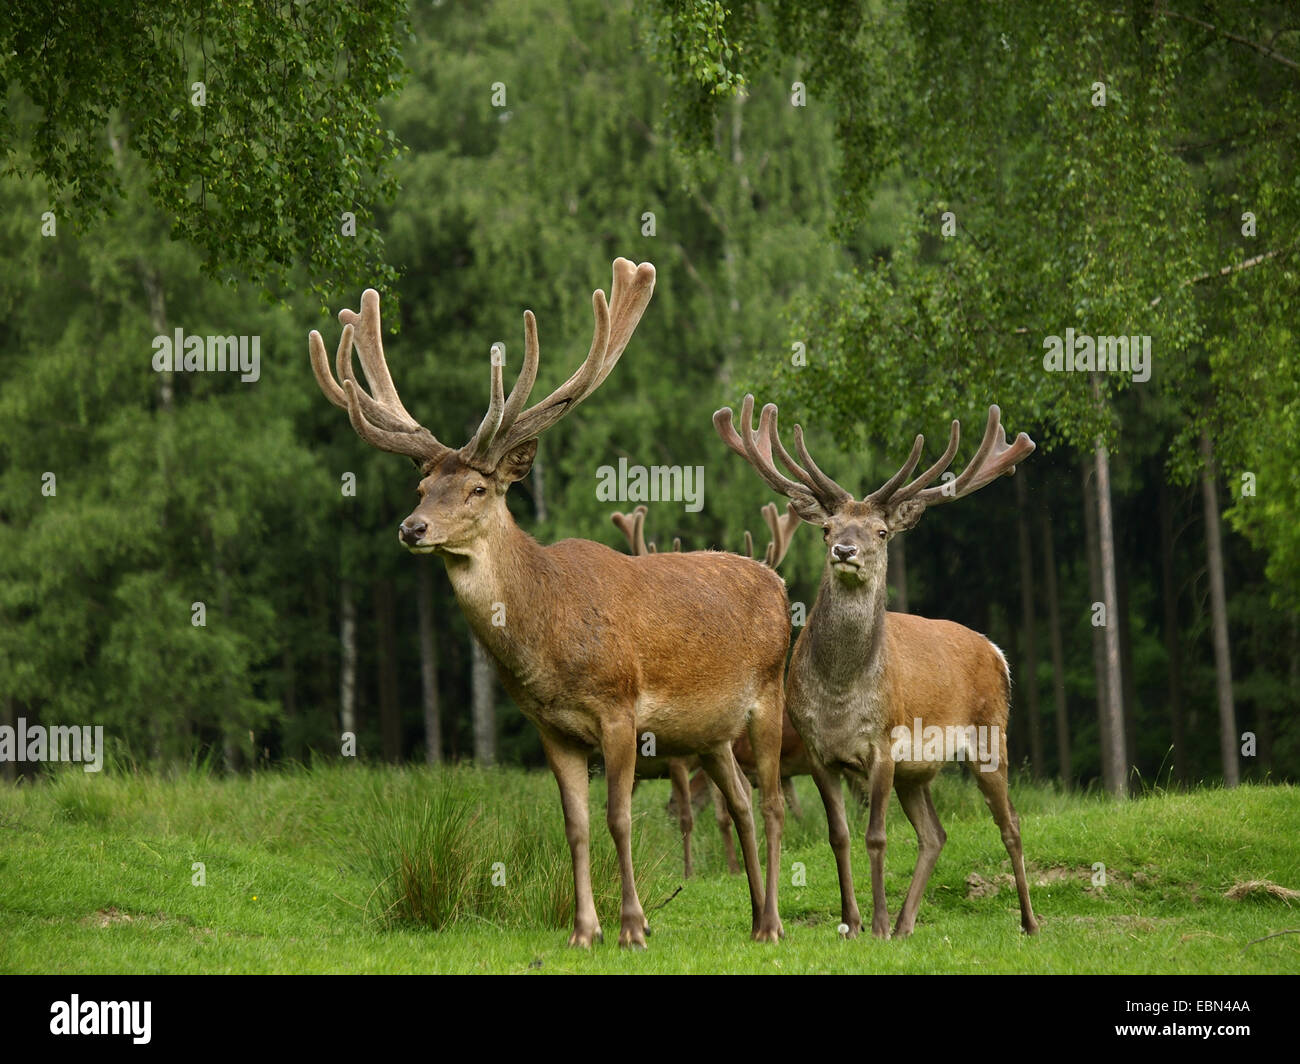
pixel 595 647
pixel 888 696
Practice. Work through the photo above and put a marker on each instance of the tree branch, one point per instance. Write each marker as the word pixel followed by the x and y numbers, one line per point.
pixel 1262 49
pixel 1211 275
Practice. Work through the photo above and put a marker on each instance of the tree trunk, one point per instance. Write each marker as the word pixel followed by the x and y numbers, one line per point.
pixel 1173 644
pixel 428 663
pixel 484 700
pixel 1219 616
pixel 347 658
pixel 896 573
pixel 1064 769
pixel 1114 686
pixel 390 713
pixel 291 746
pixel 232 729
pixel 1098 638
pixel 1028 629
pixel 1126 662
pixel 157 296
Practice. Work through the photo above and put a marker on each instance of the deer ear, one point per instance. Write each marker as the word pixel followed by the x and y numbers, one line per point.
pixel 905 515
pixel 808 508
pixel 517 462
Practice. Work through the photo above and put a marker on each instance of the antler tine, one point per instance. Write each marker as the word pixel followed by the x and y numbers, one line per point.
pixel 420 445
pixel 754 447
pixel 631 526
pixel 616 320
pixel 677 544
pixel 629 294
pixel 749 544
pixel 828 489
pixel 383 422
pixel 829 494
pixel 320 366
pixel 882 494
pixel 782 529
pixel 994 458
pixel 945 459
pixel 638 518
pixel 491 440
pixel 370 346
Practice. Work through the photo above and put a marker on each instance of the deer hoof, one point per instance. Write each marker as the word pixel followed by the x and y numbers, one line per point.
pixel 631 938
pixel 1030 926
pixel 584 939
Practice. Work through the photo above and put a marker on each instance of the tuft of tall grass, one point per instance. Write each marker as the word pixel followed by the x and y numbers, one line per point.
pixel 466 844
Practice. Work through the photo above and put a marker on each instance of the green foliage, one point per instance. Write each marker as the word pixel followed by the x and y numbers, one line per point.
pixel 817 225
pixel 257 166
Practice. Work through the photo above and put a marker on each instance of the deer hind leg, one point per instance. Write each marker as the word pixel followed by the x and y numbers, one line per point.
pixel 765 738
pixel 880 783
pixel 832 792
pixel 681 781
pixel 791 797
pixel 718 764
pixel 570 768
pixel 618 742
pixel 914 797
pixel 993 785
pixel 723 818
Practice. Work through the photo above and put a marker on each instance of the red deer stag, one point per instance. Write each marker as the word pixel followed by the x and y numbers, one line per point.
pixel 595 647
pixel 861 679
pixel 794 760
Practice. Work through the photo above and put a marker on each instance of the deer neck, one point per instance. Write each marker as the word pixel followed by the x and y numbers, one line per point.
pixel 847 627
pixel 494 581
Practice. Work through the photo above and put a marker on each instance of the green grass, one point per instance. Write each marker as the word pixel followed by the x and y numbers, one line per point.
pixel 351 869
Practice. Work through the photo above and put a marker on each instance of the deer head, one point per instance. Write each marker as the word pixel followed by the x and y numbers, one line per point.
pixel 857 533
pixel 462 492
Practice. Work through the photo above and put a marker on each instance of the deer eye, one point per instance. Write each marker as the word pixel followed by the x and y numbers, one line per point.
pixel 480 490
pixel 826 531
pixel 883 533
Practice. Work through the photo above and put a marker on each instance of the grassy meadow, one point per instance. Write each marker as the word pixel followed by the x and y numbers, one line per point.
pixel 373 869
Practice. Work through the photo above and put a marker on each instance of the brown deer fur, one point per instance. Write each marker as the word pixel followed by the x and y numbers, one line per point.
pixel 794 759
pixel 597 648
pixel 858 671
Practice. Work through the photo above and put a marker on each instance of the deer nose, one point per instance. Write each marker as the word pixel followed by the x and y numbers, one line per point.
pixel 413 529
pixel 844 551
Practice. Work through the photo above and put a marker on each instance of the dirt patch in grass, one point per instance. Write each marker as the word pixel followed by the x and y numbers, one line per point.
pixel 1121 921
pixel 108 917
pixel 1261 888
pixel 978 886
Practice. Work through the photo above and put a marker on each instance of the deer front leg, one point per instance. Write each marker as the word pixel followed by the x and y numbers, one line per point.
pixel 618 741
pixel 881 780
pixel 569 765
pixel 832 792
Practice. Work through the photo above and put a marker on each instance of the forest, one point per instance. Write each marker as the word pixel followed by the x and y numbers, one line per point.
pixel 880 215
